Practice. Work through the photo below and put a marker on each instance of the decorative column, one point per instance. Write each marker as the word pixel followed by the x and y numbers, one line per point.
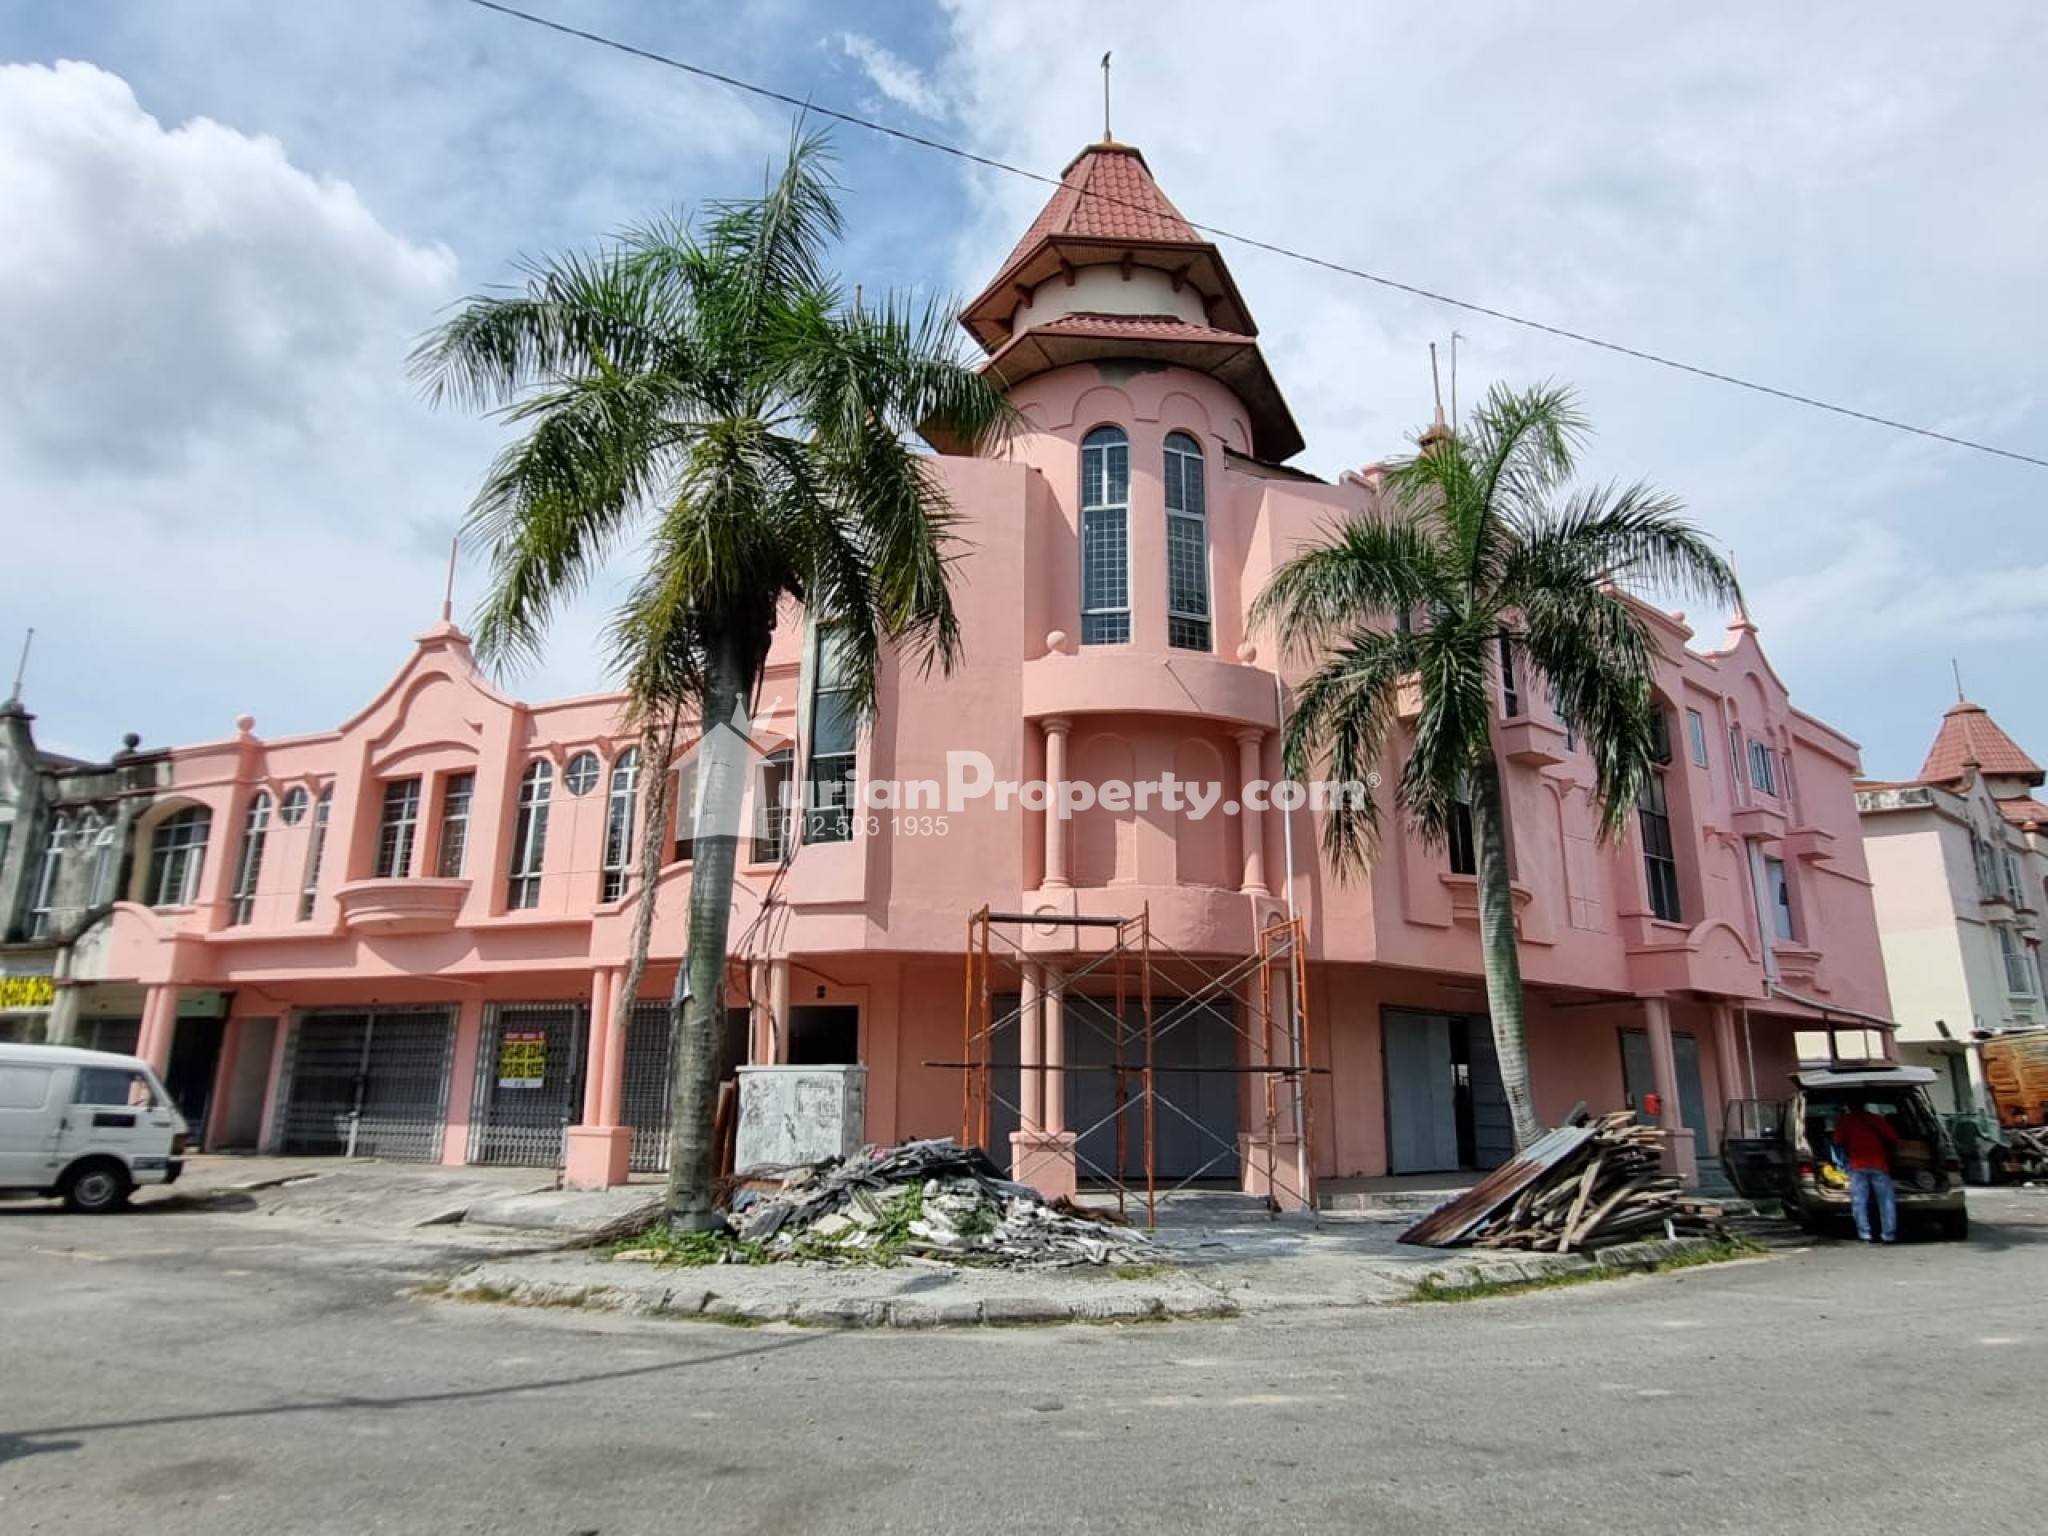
pixel 1728 1055
pixel 1681 1157
pixel 159 1023
pixel 1251 825
pixel 1056 781
pixel 469 1030
pixel 597 1153
pixel 611 1102
pixel 1043 1155
pixel 1030 1052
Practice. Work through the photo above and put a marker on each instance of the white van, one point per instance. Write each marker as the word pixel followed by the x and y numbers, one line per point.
pixel 86 1125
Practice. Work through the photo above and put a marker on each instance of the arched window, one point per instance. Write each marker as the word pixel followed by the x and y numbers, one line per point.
pixel 104 835
pixel 316 846
pixel 45 896
pixel 530 838
pixel 618 824
pixel 1105 537
pixel 249 867
pixel 1187 546
pixel 1653 820
pixel 177 852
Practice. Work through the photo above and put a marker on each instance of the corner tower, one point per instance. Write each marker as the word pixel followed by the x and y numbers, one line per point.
pixel 1110 271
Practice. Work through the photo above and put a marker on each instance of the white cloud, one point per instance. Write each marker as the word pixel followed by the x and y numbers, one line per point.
pixel 895 78
pixel 215 467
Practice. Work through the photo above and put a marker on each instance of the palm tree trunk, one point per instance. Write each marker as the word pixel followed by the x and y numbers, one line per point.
pixel 1497 946
pixel 657 755
pixel 697 1008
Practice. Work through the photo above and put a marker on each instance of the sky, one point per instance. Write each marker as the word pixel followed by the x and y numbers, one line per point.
pixel 223 224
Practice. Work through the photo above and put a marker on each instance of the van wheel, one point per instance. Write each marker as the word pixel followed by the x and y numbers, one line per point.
pixel 96 1187
pixel 1954 1227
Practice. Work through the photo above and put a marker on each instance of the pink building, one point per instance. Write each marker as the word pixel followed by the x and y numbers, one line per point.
pixel 421 918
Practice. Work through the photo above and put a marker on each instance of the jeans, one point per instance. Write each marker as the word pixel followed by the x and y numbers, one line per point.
pixel 1873 1184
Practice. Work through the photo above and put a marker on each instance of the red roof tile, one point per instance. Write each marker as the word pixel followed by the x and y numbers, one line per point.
pixel 2024 812
pixel 1107 193
pixel 1969 736
pixel 1136 328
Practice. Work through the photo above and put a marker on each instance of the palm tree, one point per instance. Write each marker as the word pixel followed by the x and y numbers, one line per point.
pixel 1478 551
pixel 703 385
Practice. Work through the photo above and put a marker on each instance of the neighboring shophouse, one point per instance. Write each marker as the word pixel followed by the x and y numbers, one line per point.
pixel 1960 867
pixel 423 916
pixel 67 838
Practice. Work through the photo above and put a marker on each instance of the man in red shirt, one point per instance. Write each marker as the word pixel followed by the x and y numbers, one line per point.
pixel 1866 1141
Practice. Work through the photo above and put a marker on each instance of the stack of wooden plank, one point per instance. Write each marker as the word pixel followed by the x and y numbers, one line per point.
pixel 1610 1189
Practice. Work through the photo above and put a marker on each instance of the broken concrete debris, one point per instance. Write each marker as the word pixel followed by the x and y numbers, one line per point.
pixel 924 1199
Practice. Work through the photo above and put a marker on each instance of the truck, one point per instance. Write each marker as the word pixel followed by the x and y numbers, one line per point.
pixel 2016 1074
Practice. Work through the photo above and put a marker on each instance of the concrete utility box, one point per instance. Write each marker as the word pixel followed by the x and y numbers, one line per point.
pixel 800 1115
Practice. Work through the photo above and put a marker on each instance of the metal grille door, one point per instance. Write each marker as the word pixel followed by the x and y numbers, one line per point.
pixel 529 1083
pixel 369 1084
pixel 649 1086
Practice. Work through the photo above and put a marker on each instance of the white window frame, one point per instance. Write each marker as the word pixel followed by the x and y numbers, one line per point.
pixel 621 816
pixel 177 856
pixel 43 902
pixel 1107 624
pixel 530 836
pixel 398 829
pixel 316 850
pixel 1184 452
pixel 1763 768
pixel 1696 736
pixel 1778 883
pixel 451 851
pixel 249 863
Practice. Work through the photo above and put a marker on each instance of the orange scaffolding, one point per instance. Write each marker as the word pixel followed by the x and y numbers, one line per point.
pixel 1153 990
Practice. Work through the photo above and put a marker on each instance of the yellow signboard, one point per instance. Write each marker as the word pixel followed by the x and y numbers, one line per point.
pixel 27 992
pixel 523 1058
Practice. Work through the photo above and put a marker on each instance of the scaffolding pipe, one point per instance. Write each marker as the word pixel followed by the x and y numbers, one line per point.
pixel 1296 1035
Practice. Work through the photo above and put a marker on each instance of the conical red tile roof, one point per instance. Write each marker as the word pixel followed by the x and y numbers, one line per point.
pixel 1107 193
pixel 1969 735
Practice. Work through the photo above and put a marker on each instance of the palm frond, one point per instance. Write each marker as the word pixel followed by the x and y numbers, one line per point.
pixel 1368 566
pixel 1343 715
pixel 1597 657
pixel 1621 531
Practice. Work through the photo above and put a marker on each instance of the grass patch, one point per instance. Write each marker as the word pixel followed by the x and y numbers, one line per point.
pixel 1138 1271
pixel 691 1250
pixel 1433 1288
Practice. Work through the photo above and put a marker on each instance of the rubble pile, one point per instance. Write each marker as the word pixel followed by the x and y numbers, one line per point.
pixel 1585 1186
pixel 924 1199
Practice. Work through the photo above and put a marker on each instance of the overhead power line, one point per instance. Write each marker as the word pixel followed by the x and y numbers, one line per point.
pixel 1252 242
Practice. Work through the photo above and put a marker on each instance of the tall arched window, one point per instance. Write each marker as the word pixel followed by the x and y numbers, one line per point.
pixel 1187 546
pixel 618 824
pixel 177 852
pixel 1105 537
pixel 316 848
pixel 249 867
pixel 45 896
pixel 104 833
pixel 530 838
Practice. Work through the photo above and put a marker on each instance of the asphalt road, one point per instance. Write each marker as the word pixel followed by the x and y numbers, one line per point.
pixel 167 1373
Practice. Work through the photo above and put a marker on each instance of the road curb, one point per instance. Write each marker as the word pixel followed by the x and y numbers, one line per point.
pixel 695 1293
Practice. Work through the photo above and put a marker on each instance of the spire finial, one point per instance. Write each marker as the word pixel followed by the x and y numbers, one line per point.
pixel 21 667
pixel 448 591
pixel 1956 667
pixel 1107 136
pixel 1436 432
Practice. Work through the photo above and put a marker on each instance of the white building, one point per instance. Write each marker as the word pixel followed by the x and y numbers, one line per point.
pixel 1958 859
